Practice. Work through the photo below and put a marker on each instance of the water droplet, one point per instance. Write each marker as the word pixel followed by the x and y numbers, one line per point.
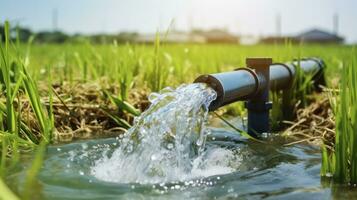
pixel 265 135
pixel 170 146
pixel 154 157
pixel 84 146
pixel 129 148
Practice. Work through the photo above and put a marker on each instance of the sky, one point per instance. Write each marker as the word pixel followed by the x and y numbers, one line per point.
pixel 256 17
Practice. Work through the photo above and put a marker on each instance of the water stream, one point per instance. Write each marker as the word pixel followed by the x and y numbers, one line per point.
pixel 171 153
pixel 167 142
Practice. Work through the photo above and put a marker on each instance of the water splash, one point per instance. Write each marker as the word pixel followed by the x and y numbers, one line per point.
pixel 167 142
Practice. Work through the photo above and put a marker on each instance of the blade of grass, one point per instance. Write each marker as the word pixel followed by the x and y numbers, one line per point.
pixel 5 192
pixel 118 120
pixel 122 105
pixel 31 183
pixel 240 131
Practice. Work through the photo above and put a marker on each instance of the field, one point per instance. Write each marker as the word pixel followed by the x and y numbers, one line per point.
pixel 54 93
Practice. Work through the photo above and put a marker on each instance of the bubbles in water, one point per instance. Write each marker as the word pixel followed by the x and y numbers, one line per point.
pixel 167 142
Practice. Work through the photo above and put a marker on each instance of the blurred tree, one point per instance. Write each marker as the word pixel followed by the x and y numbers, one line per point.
pixel 126 37
pixel 23 33
pixel 2 33
pixel 60 37
pixel 51 37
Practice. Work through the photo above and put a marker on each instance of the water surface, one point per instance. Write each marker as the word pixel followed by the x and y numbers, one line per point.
pixel 170 153
pixel 269 171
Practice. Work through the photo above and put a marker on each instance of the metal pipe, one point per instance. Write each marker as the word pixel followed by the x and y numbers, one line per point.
pixel 231 86
pixel 252 85
pixel 243 83
pixel 282 75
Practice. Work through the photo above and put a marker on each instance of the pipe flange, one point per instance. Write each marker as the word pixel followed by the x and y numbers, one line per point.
pixel 319 76
pixel 291 73
pixel 317 60
pixel 256 78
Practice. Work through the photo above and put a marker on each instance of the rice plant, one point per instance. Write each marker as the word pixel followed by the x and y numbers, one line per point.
pixel 158 74
pixel 341 162
pixel 17 65
pixel 6 81
pixel 15 136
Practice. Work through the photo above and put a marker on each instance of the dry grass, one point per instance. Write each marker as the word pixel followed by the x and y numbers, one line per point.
pixel 81 109
pixel 314 123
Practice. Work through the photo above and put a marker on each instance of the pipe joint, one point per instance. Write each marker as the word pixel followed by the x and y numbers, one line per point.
pixel 258 81
pixel 290 77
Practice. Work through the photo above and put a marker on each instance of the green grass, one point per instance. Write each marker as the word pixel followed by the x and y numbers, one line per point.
pixel 15 136
pixel 341 163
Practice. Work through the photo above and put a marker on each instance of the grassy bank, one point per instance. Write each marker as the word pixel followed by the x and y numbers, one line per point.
pixel 87 88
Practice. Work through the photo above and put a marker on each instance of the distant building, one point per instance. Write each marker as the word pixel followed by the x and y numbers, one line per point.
pixel 248 39
pixel 171 37
pixel 196 36
pixel 217 36
pixel 310 36
pixel 319 36
pixel 277 40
